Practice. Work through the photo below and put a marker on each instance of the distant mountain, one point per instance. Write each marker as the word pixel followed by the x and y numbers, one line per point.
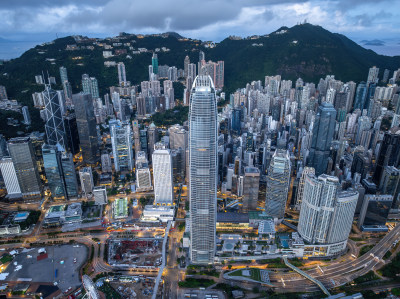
pixel 305 51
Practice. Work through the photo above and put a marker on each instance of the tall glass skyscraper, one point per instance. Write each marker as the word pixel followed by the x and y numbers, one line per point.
pixel 203 169
pixel 121 140
pixel 51 162
pixel 322 136
pixel 154 63
pixel 278 177
pixel 86 122
pixel 55 130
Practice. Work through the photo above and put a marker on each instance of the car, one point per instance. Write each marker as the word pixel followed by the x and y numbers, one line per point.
pixel 75 260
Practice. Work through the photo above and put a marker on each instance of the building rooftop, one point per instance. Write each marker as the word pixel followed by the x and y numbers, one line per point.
pixel 232 217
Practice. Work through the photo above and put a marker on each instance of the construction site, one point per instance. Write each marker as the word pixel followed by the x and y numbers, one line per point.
pixel 143 253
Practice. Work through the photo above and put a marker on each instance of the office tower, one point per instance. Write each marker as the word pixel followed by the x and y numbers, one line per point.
pixel 385 76
pixel 90 85
pixel 143 178
pixel 389 153
pixel 236 117
pixel 300 189
pixel 26 168
pixel 27 117
pixel 202 169
pixel 322 135
pixel 178 165
pixel 86 123
pixel 251 186
pixel 374 212
pixel 178 137
pixel 136 135
pixel 278 178
pixel 106 165
pixel 373 75
pixel 63 74
pixel 121 74
pixel 186 65
pixel 69 175
pixel 100 195
pixel 143 140
pixel 121 141
pixel 361 96
pixel 389 184
pixel 71 133
pixel 219 74
pixel 191 69
pixel 202 56
pixel 10 177
pixel 86 178
pixel 152 138
pixel 326 215
pixel 3 93
pixel 54 125
pixel 3 147
pixel 162 174
pixel 154 63
pixel 67 88
pixel 51 162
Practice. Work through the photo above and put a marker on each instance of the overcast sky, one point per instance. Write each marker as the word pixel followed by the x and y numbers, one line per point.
pixel 206 19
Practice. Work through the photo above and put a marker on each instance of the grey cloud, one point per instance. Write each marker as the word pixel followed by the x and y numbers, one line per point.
pixel 367 20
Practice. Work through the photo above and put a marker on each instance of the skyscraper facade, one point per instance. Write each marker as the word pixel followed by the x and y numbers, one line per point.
pixel 52 168
pixel 162 174
pixel 23 157
pixel 86 178
pixel 121 74
pixel 55 130
pixel 86 123
pixel 203 169
pixel 10 177
pixel 154 63
pixel 322 135
pixel 121 141
pixel 63 74
pixel 251 186
pixel 278 177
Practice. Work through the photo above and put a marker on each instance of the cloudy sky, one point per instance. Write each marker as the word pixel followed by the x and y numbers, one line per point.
pixel 206 19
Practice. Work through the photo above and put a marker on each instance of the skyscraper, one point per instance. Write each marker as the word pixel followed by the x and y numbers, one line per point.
pixel 10 177
pixel 203 169
pixel 154 63
pixel 27 117
pixel 373 75
pixel 23 157
pixel 326 215
pixel 121 74
pixel 374 212
pixel 251 186
pixel 55 130
pixel 322 135
pixel 69 175
pixel 52 168
pixel 300 189
pixel 278 177
pixel 63 74
pixel 121 141
pixel 86 126
pixel 90 85
pixel 361 96
pixel 162 174
pixel 389 153
pixel 86 177
pixel 186 66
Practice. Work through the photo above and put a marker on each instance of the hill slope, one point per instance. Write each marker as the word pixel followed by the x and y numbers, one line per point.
pixel 306 51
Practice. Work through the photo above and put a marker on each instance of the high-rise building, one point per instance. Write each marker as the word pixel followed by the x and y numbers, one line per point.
pixel 63 74
pixel 278 177
pixel 100 195
pixel 86 123
pixel 373 75
pixel 69 175
pixel 323 131
pixel 54 126
pixel 27 117
pixel 374 212
pixel 121 141
pixel 26 168
pixel 154 63
pixel 71 133
pixel 3 93
pixel 326 215
pixel 178 137
pixel 389 153
pixel 143 177
pixel 300 189
pixel 90 85
pixel 186 66
pixel 86 178
pixel 52 168
pixel 121 74
pixel 361 96
pixel 251 186
pixel 106 165
pixel 203 170
pixel 390 184
pixel 162 175
pixel 10 177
